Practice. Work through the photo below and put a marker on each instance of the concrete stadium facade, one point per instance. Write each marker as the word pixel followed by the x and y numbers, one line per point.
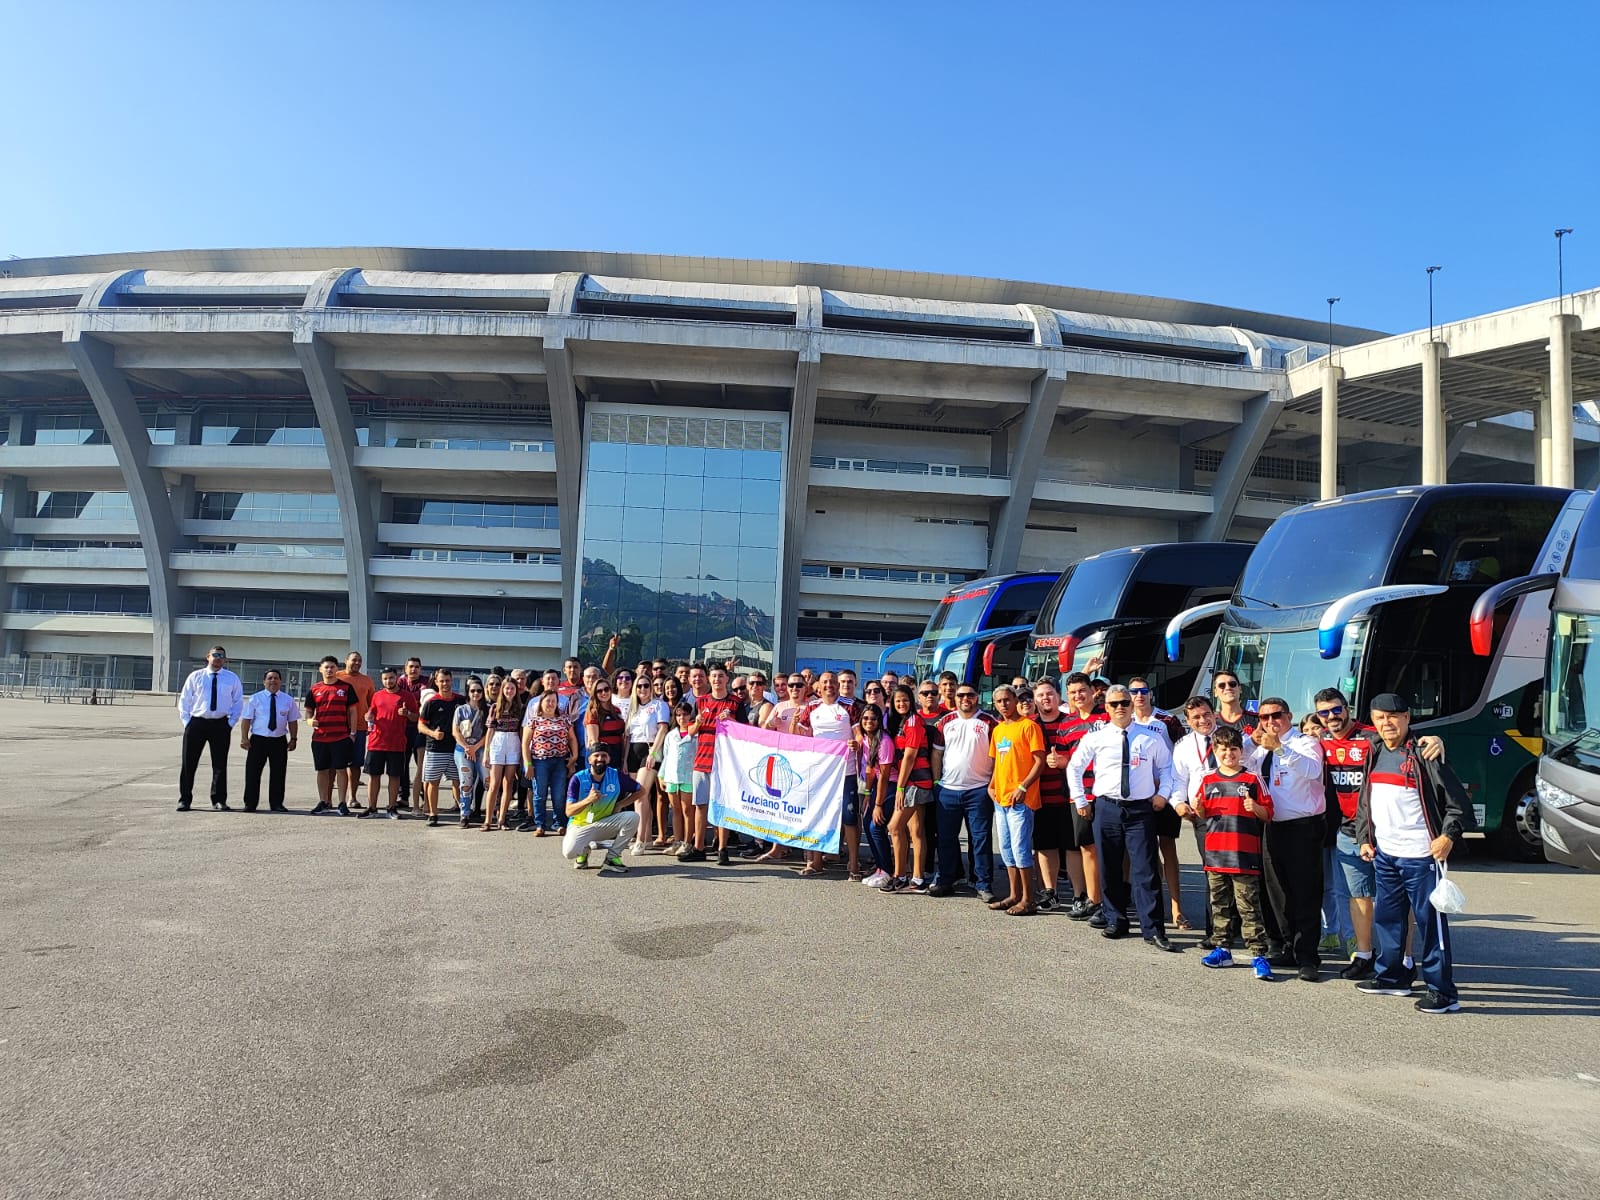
pixel 469 455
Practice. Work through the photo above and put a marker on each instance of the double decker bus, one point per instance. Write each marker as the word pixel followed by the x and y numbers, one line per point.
pixel 1372 593
pixel 971 612
pixel 1113 608
pixel 1568 783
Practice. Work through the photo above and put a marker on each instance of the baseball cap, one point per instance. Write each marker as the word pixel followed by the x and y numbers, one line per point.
pixel 1390 702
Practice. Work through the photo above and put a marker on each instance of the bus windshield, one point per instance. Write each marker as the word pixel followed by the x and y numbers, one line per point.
pixel 1288 664
pixel 1569 713
pixel 957 616
pixel 1089 591
pixel 1316 555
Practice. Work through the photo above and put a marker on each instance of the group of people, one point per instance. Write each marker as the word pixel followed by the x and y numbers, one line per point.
pixel 1326 835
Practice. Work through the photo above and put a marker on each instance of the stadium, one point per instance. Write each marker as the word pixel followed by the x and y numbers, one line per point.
pixel 481 456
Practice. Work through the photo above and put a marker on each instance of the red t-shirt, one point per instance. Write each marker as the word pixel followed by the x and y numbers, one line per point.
pixel 413 694
pixel 713 710
pixel 387 717
pixel 329 705
pixel 918 735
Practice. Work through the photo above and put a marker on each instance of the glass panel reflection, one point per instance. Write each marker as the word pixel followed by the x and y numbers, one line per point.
pixel 680 548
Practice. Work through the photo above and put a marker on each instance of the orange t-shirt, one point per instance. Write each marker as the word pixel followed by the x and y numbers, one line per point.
pixel 1012 746
pixel 364 688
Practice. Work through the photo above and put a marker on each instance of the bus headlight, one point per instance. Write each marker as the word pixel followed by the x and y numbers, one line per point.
pixel 1555 797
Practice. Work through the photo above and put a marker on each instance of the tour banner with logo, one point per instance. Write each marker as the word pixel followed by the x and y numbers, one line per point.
pixel 779 787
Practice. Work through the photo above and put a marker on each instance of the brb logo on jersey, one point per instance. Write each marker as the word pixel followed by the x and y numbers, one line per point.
pixel 774 776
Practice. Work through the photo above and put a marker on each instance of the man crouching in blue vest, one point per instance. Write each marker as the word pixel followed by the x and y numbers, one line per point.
pixel 593 797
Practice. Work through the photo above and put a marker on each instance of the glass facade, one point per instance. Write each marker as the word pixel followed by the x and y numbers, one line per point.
pixel 681 526
pixel 86 506
pixel 268 606
pixel 319 508
pixel 474 514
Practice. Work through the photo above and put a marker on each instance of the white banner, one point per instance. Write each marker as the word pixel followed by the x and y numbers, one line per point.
pixel 779 787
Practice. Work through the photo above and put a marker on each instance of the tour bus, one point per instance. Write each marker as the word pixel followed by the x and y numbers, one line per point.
pixel 1568 785
pixel 1372 593
pixel 1111 609
pixel 969 612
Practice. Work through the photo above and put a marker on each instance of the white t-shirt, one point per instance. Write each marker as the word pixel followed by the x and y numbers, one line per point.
pixel 831 722
pixel 646 719
pixel 967 764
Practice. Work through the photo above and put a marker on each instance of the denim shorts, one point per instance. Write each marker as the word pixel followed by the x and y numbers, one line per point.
pixel 1359 878
pixel 1015 823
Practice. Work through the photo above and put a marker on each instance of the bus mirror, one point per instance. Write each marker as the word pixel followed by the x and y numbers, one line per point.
pixel 988 659
pixel 1065 654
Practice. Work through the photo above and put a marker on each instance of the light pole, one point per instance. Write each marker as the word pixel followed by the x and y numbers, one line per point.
pixel 1431 270
pixel 1561 282
pixel 1332 300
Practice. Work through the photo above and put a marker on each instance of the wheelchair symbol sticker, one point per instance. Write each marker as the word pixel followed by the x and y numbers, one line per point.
pixel 1496 747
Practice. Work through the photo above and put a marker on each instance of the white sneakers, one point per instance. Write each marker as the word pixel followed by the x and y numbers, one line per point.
pixel 876 880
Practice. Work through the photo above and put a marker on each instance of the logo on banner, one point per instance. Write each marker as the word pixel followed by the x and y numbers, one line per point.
pixel 775 776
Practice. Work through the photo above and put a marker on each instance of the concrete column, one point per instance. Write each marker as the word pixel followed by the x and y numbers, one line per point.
pixel 357 519
pixel 159 531
pixel 1257 417
pixel 188 430
pixel 1562 328
pixel 566 421
pixel 1331 375
pixel 1433 356
pixel 999 453
pixel 1541 437
pixel 1044 401
pixel 797 471
pixel 16 427
pixel 13 499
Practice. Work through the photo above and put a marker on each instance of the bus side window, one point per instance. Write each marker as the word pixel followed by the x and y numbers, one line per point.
pixel 1529 715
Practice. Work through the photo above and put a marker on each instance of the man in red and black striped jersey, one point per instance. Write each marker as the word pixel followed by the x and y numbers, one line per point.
pixel 328 706
pixel 718 704
pixel 1054 841
pixel 1080 717
pixel 1236 808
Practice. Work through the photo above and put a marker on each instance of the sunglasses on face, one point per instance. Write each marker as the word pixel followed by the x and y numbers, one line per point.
pixel 1336 710
pixel 474 691
pixel 927 695
pixel 1273 715
pixel 874 691
pixel 794 683
pixel 1119 703
pixel 966 695
pixel 624 678
pixel 1227 687
pixel 1138 691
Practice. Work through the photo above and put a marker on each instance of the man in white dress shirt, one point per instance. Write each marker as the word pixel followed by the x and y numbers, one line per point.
pixel 1192 760
pixel 269 729
pixel 209 707
pixel 1132 780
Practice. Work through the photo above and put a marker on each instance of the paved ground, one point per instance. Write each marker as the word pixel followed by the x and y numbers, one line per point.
pixel 222 1004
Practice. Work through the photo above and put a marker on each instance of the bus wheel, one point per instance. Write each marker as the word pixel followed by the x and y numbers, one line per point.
pixel 1518 837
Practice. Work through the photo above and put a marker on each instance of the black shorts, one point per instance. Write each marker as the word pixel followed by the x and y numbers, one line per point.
pixel 331 756
pixel 1083 828
pixel 1052 828
pixel 1168 823
pixel 392 763
pixel 637 753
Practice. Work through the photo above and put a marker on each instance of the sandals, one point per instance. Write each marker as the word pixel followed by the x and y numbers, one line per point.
pixel 1182 922
pixel 855 877
pixel 810 872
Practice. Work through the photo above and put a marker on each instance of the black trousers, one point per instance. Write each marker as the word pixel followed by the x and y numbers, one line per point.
pixel 1294 884
pixel 198 734
pixel 1129 828
pixel 273 754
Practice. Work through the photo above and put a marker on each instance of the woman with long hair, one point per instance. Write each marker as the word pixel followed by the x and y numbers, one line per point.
pixel 905 827
pixel 550 750
pixel 472 716
pixel 874 762
pixel 505 753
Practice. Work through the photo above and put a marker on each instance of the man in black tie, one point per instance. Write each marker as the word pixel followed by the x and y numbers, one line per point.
pixel 209 707
pixel 269 731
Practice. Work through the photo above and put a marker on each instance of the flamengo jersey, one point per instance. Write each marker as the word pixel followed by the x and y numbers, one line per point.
pixel 1233 836
pixel 1053 780
pixel 1070 731
pixel 1347 759
pixel 712 710
pixel 329 704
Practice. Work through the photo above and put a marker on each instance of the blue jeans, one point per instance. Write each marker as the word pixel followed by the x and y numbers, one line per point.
pixel 470 771
pixel 975 807
pixel 1335 898
pixel 1403 888
pixel 877 835
pixel 1016 836
pixel 550 779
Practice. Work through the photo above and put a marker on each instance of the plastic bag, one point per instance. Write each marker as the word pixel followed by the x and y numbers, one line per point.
pixel 1446 897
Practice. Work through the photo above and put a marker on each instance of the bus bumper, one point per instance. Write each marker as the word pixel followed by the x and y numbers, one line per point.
pixel 1570 827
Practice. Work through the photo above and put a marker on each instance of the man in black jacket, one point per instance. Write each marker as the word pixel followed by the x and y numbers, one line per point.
pixel 1409 816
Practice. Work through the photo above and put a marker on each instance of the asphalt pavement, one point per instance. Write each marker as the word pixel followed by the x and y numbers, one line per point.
pixel 229 1004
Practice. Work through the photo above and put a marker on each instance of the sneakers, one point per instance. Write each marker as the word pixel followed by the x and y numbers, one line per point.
pixel 722 858
pixel 1377 987
pixel 941 889
pixel 985 896
pixel 1331 945
pixel 367 813
pixel 526 825
pixel 1359 968
pixel 1097 920
pixel 344 810
pixel 1047 900
pixel 876 880
pixel 1081 909
pixel 1219 957
pixel 1434 1004
pixel 613 865
pixel 692 855
pixel 392 813
pixel 322 806
pixel 1261 966
pixel 433 822
pixel 919 887
pixel 581 863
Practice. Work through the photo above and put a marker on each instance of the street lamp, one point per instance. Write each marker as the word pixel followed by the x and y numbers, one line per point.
pixel 1431 270
pixel 1332 300
pixel 1561 282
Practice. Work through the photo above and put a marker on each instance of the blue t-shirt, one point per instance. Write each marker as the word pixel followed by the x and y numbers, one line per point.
pixel 614 785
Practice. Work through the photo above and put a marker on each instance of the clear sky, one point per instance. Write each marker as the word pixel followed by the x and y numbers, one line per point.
pixel 1259 155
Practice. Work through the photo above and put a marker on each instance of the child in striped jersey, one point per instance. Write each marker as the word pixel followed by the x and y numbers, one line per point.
pixel 1236 807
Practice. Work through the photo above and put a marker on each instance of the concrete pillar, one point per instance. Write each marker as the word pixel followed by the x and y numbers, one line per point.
pixel 566 421
pixel 1433 356
pixel 1541 437
pixel 13 500
pixel 16 427
pixel 1257 417
pixel 188 429
pixel 999 453
pixel 332 402
pixel 159 531
pixel 797 471
pixel 1331 375
pixel 1044 401
pixel 1562 328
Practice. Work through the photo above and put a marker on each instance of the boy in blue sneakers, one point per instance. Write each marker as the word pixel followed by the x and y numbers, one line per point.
pixel 1236 807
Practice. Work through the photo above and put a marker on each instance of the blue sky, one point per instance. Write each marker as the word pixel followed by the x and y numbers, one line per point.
pixel 1264 156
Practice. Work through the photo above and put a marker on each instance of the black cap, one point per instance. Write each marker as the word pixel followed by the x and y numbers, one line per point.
pixel 1390 702
pixel 1100 679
